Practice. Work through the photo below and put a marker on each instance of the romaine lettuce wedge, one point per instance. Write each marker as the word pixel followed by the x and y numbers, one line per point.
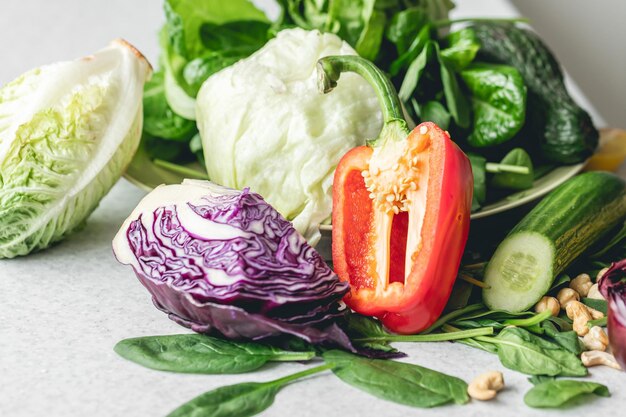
pixel 67 132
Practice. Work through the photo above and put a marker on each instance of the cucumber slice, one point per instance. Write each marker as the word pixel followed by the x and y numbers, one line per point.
pixel 558 230
pixel 520 272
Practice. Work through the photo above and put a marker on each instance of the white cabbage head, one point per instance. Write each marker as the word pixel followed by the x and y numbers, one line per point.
pixel 67 132
pixel 265 125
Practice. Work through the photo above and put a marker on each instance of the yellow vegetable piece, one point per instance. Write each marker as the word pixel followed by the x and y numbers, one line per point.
pixel 611 151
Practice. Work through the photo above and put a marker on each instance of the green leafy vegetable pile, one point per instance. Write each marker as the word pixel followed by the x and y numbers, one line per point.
pixel 495 86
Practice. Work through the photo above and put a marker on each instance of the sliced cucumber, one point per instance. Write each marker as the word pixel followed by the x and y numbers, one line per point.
pixel 562 226
pixel 522 268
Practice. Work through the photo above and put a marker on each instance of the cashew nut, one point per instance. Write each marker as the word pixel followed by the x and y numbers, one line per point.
pixel 594 292
pixel 548 303
pixel 566 295
pixel 485 386
pixel 597 357
pixel 600 273
pixel 595 314
pixel 596 339
pixel 581 284
pixel 579 313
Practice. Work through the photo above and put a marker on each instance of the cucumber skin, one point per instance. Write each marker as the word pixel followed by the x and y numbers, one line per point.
pixel 575 215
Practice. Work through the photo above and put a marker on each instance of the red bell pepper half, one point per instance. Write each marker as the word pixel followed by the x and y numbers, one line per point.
pixel 401 212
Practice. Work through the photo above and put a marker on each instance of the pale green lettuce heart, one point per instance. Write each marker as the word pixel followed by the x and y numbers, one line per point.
pixel 67 132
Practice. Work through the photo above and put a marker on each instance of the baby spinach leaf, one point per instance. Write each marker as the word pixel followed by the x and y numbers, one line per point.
pixel 488 347
pixel 200 38
pixel 433 111
pixel 362 327
pixel 399 382
pixel 564 324
pixel 511 180
pixel 239 400
pixel 415 71
pixel 524 352
pixel 462 48
pixel 538 379
pixel 200 354
pixel 415 49
pixel 371 36
pixel 243 36
pixel 568 340
pixel 403 27
pixel 456 101
pixel 158 118
pixel 185 17
pixel 558 393
pixel 498 97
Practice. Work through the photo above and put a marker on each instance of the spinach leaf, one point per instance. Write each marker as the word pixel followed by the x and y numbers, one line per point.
pixel 200 354
pixel 462 48
pixel 564 324
pixel 538 379
pixel 559 393
pixel 399 382
pixel 362 327
pixel 568 340
pixel 403 27
pixel 158 118
pixel 435 112
pixel 415 71
pixel 184 19
pixel 487 347
pixel 200 38
pixel 511 180
pixel 600 305
pixel 242 36
pixel 371 38
pixel 415 50
pixel 479 164
pixel 456 101
pixel 524 352
pixel 239 400
pixel 498 97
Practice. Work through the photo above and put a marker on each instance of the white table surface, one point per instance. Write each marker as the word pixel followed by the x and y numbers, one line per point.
pixel 62 310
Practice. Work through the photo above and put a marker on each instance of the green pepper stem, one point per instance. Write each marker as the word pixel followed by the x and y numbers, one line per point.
pixel 435 337
pixel 329 70
pixel 494 168
pixel 290 378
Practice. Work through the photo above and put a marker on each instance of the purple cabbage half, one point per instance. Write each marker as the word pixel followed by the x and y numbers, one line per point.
pixel 612 285
pixel 217 260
